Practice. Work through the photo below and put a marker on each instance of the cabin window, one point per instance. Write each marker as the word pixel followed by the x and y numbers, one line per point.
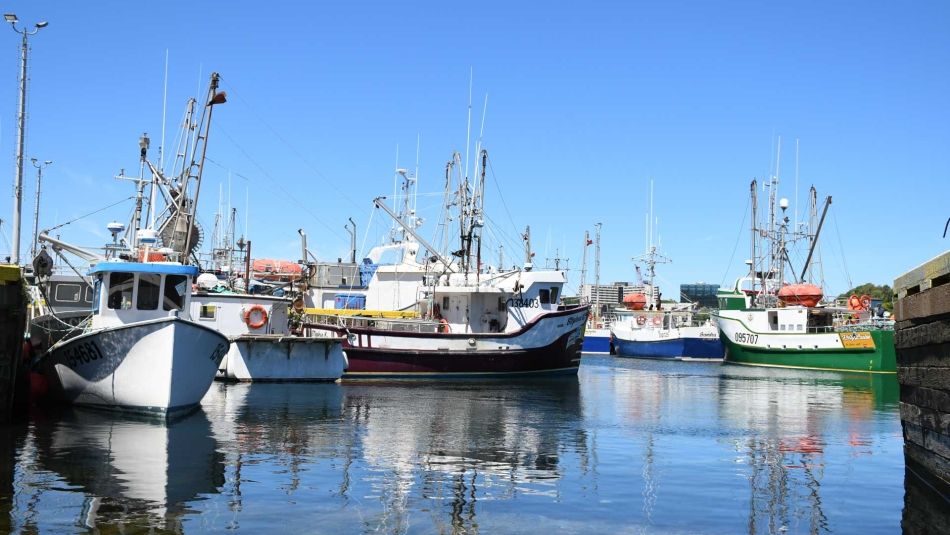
pixel 68 293
pixel 554 292
pixel 89 294
pixel 545 296
pixel 175 288
pixel 782 326
pixel 149 291
pixel 207 312
pixel 501 304
pixel 445 302
pixel 120 290
pixel 95 296
pixel 773 321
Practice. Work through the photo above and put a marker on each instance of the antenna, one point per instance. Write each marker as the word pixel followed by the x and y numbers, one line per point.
pixel 468 128
pixel 161 147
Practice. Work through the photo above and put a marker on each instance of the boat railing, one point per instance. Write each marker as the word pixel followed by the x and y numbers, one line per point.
pixel 384 324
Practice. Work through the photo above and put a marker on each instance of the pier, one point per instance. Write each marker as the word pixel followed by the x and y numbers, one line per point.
pixel 922 341
pixel 12 327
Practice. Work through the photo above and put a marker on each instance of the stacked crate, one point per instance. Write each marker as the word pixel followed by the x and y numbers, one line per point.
pixel 922 340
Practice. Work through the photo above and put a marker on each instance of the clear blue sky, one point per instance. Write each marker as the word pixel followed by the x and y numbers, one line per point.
pixel 584 107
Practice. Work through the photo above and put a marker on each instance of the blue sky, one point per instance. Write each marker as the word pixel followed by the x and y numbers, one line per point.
pixel 585 106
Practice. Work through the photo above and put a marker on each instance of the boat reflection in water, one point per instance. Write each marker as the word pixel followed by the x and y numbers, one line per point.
pixel 792 442
pixel 128 472
pixel 373 454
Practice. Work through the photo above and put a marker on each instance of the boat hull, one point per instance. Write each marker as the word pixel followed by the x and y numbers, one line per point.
pixel 157 366
pixel 597 341
pixel 549 345
pixel 676 348
pixel 864 351
pixel 277 358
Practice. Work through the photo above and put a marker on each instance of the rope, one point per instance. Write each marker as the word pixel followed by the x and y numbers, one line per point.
pixel 745 212
pixel 89 214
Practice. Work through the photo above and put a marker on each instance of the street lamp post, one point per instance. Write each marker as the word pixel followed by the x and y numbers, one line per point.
pixel 36 209
pixel 21 127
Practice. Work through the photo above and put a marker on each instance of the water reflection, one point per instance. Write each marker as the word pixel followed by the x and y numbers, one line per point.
pixel 117 471
pixel 789 421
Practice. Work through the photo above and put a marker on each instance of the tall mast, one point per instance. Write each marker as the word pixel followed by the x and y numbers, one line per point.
pixel 597 227
pixel 587 243
pixel 755 234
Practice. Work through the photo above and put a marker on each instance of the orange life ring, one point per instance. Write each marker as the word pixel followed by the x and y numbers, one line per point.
pixel 854 303
pixel 866 302
pixel 657 320
pixel 444 326
pixel 255 324
pixel 641 320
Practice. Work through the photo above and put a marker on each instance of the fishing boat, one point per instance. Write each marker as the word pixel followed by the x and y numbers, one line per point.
pixel 464 319
pixel 141 351
pixel 649 328
pixel 768 320
pixel 267 342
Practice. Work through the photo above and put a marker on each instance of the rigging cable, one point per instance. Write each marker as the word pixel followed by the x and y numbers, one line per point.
pixel 745 213
pixel 89 214
pixel 844 260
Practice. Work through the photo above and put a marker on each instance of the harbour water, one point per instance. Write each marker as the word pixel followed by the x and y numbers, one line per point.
pixel 627 446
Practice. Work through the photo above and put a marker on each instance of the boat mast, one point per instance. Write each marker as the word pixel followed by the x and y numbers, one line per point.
pixel 597 227
pixel 587 243
pixel 814 242
pixel 755 234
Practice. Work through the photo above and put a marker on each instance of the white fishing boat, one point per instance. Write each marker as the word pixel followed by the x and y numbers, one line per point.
pixel 141 350
pixel 265 343
pixel 464 319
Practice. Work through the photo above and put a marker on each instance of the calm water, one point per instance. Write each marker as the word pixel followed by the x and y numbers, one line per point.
pixel 627 446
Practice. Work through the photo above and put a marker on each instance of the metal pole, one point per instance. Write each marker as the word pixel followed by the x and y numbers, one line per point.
pixel 36 208
pixel 21 126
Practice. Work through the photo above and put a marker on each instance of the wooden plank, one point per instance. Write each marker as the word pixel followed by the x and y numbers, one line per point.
pixel 922 277
pixel 928 398
pixel 935 332
pixel 923 305
pixel 937 356
pixel 923 417
pixel 937 378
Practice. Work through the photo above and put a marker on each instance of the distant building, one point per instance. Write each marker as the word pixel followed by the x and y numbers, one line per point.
pixel 610 295
pixel 701 293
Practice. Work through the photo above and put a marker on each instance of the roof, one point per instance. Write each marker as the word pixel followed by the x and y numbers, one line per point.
pixel 140 267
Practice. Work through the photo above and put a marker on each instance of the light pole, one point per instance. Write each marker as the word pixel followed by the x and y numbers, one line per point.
pixel 36 209
pixel 21 127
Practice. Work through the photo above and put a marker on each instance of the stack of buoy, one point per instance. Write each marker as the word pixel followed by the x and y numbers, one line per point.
pixel 859 303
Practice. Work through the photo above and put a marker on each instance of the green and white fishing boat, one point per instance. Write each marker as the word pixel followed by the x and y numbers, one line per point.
pixel 768 320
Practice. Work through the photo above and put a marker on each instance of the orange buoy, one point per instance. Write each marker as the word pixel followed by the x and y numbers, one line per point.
pixel 262 319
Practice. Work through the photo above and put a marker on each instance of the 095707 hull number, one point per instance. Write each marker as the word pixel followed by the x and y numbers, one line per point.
pixel 746 338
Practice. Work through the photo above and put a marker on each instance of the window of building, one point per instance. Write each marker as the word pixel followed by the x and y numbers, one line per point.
pixel 175 288
pixel 554 292
pixel 68 293
pixel 545 295
pixel 149 291
pixel 120 290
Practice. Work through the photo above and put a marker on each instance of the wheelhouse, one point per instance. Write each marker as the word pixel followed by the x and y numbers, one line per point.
pixel 126 292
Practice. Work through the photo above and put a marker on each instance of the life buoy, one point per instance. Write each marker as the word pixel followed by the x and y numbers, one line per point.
pixel 866 302
pixel 641 320
pixel 854 303
pixel 251 310
pixel 657 321
pixel 444 326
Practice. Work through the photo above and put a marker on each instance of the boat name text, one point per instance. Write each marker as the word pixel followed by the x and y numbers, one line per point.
pixel 81 353
pixel 219 353
pixel 746 338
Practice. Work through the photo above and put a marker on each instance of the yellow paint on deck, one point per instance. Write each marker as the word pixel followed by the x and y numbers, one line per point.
pixel 391 314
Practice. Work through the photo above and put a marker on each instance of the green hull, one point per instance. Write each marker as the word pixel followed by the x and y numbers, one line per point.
pixel 881 359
